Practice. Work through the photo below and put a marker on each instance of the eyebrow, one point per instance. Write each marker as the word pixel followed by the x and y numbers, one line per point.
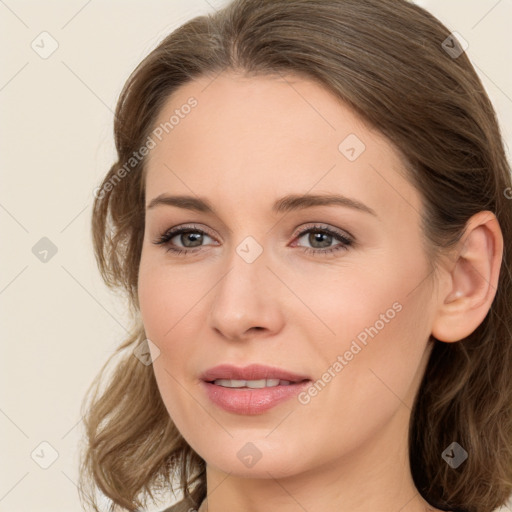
pixel 285 204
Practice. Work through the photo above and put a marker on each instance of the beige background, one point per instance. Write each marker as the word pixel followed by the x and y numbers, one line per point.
pixel 58 322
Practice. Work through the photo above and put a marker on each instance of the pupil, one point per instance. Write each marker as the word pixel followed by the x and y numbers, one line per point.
pixel 191 237
pixel 317 237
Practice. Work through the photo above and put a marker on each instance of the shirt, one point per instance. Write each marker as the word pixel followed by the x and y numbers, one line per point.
pixel 186 505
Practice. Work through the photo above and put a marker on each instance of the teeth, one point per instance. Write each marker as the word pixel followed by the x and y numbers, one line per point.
pixel 253 384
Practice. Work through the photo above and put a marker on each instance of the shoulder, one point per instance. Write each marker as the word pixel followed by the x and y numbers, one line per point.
pixel 184 505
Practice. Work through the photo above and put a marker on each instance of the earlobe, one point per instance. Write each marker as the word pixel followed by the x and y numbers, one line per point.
pixel 472 279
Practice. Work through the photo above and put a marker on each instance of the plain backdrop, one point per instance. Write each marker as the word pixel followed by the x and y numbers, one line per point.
pixel 58 321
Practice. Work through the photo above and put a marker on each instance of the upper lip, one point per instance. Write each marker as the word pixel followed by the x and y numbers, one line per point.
pixel 251 372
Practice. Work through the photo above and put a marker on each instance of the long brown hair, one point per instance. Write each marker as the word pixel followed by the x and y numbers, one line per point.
pixel 390 61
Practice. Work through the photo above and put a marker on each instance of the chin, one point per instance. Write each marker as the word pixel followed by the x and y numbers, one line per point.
pixel 255 459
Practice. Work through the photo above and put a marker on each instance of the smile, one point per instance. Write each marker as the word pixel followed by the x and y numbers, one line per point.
pixel 253 384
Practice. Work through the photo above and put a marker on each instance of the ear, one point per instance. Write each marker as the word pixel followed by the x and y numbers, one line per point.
pixel 469 282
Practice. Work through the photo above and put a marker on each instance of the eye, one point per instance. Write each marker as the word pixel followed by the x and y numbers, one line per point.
pixel 190 238
pixel 321 239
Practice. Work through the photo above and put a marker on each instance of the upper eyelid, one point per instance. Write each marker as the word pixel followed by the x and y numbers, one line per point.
pixel 186 227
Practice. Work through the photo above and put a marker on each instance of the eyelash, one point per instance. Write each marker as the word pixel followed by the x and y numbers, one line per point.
pixel 345 242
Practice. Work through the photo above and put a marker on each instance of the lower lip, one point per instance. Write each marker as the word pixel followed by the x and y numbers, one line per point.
pixel 252 401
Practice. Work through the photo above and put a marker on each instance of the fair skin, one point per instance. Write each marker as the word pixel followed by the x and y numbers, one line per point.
pixel 248 143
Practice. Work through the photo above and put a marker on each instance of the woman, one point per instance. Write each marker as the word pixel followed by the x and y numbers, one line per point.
pixel 310 216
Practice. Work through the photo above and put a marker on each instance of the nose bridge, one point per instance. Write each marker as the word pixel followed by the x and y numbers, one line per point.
pixel 244 297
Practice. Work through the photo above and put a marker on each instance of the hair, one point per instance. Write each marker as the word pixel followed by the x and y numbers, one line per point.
pixel 385 60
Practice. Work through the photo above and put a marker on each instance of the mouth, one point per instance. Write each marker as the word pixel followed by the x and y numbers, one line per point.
pixel 253 384
pixel 253 376
pixel 253 389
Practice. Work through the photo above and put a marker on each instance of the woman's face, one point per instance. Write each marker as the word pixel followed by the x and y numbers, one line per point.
pixel 339 293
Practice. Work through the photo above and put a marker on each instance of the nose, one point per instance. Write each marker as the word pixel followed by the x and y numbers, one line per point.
pixel 246 300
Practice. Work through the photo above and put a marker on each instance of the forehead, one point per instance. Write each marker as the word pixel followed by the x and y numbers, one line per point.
pixel 274 110
pixel 259 134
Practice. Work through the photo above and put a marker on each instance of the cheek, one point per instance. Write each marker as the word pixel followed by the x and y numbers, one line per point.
pixel 164 298
pixel 370 368
pixel 380 320
pixel 164 304
pixel 172 302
